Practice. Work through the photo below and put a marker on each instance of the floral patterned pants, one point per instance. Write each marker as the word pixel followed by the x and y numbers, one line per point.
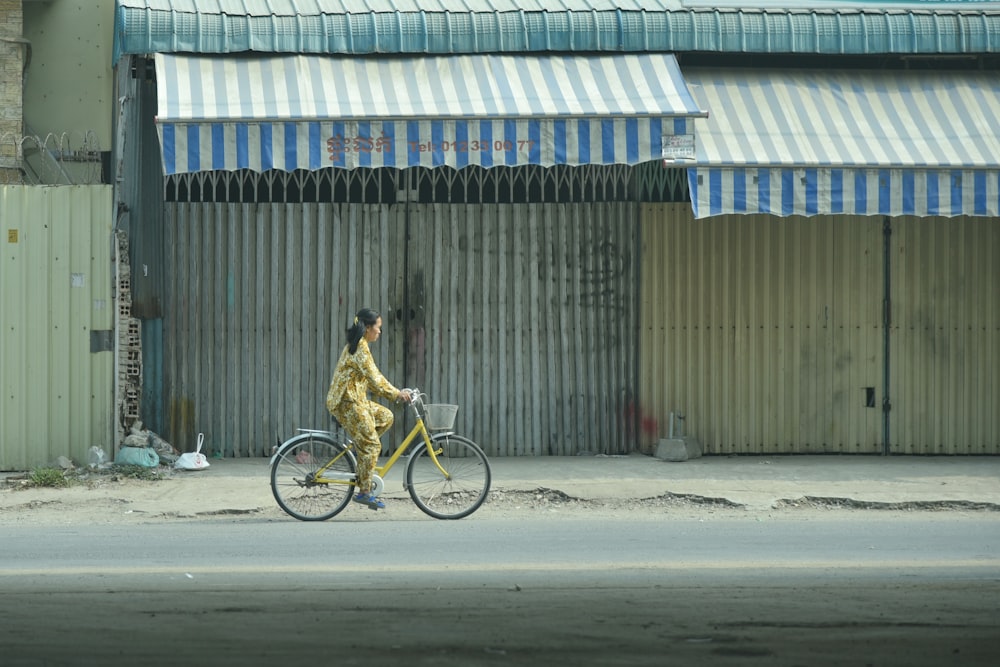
pixel 365 423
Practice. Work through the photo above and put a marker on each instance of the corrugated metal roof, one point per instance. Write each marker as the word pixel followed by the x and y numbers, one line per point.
pixel 319 7
pixel 787 5
pixel 512 26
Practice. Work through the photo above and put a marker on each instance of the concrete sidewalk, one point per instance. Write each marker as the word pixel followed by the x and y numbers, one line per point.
pixel 757 481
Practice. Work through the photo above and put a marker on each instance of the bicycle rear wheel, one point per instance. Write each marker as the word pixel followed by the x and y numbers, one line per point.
pixel 466 485
pixel 295 471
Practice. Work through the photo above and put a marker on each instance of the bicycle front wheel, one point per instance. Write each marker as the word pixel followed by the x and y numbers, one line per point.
pixel 458 491
pixel 312 477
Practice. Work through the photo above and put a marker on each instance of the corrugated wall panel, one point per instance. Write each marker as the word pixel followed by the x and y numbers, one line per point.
pixel 528 313
pixel 140 215
pixel 55 292
pixel 763 332
pixel 259 298
pixel 519 313
pixel 946 336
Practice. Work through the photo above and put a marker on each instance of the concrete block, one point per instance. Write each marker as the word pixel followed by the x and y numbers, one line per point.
pixel 677 449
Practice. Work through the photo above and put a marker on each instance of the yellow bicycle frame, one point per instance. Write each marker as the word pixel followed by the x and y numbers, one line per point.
pixel 382 470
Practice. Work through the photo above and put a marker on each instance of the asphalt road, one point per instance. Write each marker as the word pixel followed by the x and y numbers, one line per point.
pixel 921 590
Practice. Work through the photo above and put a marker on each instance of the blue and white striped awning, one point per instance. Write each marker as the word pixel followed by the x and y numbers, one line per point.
pixel 846 142
pixel 309 112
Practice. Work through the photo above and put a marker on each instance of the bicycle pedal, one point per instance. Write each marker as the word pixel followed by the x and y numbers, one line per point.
pixel 369 502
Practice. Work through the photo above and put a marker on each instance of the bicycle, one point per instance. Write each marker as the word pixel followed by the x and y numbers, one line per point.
pixel 313 476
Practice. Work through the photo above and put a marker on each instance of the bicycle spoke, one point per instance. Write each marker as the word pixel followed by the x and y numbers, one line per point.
pixel 294 475
pixel 455 495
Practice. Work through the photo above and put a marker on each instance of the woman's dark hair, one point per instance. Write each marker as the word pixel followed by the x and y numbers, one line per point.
pixel 365 318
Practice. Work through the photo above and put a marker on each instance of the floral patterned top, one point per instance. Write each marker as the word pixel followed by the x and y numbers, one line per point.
pixel 355 376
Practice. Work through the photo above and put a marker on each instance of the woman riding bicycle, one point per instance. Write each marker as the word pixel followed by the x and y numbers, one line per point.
pixel 347 400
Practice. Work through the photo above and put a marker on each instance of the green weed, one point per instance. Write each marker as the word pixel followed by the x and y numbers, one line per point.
pixel 132 471
pixel 51 477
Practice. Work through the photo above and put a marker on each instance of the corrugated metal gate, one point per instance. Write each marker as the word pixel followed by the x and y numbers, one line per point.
pixel 257 297
pixel 521 312
pixel 771 330
pixel 524 314
pixel 945 336
pixel 769 335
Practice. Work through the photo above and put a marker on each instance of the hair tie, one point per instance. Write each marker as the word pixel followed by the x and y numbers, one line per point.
pixel 355 321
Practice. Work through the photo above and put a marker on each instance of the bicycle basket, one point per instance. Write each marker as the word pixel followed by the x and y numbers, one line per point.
pixel 440 416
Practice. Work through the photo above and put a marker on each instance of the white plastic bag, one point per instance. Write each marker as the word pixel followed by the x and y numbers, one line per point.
pixel 193 460
pixel 96 458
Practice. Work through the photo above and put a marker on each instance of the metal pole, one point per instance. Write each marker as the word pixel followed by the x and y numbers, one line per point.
pixel 886 330
pixel 408 176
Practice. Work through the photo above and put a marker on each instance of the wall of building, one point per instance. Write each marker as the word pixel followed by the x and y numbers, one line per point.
pixel 12 51
pixel 57 318
pixel 68 91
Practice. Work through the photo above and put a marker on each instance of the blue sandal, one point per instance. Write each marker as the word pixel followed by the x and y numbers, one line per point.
pixel 370 500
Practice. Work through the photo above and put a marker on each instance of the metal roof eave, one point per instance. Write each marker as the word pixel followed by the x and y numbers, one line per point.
pixel 151 26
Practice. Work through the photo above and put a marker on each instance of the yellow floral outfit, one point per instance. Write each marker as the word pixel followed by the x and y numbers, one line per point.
pixel 364 420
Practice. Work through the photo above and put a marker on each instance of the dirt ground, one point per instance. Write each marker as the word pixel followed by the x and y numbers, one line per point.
pixel 105 497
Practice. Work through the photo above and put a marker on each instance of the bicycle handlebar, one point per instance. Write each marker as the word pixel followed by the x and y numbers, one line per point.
pixel 415 395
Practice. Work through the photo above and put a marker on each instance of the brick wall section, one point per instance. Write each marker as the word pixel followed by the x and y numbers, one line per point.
pixel 11 90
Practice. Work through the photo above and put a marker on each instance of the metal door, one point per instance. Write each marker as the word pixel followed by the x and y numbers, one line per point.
pixel 764 333
pixel 523 314
pixel 944 336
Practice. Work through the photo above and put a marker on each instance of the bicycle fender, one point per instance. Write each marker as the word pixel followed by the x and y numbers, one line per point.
pixel 305 435
pixel 435 436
